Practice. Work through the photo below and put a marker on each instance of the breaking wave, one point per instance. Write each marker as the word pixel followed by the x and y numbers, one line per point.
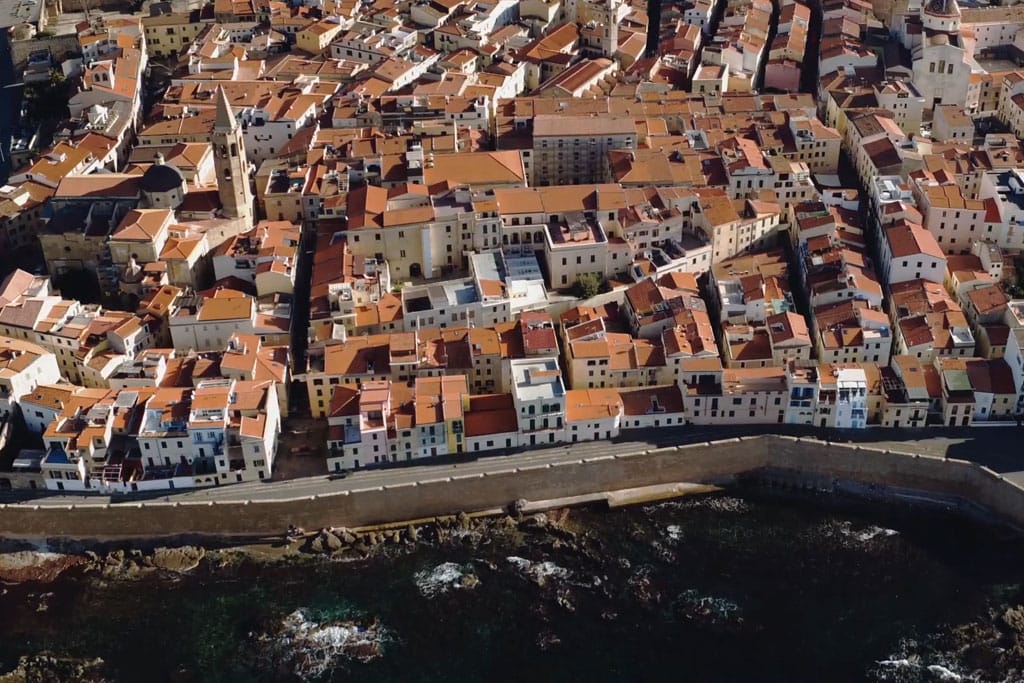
pixel 311 649
pixel 540 573
pixel 867 533
pixel 709 608
pixel 444 578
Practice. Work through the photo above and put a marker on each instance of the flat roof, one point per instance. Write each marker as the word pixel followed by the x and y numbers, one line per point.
pixel 957 380
pixel 14 12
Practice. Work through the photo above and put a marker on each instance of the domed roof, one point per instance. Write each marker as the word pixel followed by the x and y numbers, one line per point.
pixel 161 178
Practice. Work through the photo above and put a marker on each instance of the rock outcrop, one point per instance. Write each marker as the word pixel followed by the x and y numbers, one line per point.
pixel 180 560
pixel 33 566
pixel 43 668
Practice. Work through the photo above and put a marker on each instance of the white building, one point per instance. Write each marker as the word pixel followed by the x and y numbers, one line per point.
pixel 23 367
pixel 163 435
pixel 206 324
pixel 942 58
pixel 909 252
pixel 455 303
pixel 539 395
pixel 1014 357
pixel 264 256
pixel 850 398
pixel 266 131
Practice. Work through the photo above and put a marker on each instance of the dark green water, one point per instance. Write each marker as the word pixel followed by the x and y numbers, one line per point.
pixel 715 589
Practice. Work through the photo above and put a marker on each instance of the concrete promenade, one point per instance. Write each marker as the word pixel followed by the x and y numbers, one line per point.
pixel 1001 449
pixel 984 466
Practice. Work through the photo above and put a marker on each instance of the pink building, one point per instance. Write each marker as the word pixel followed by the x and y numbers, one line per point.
pixel 782 74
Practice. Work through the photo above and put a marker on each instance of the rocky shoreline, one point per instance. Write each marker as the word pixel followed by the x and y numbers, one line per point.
pixel 607 568
pixel 33 566
pixel 22 564
pixel 45 668
pixel 994 646
pixel 30 568
pixel 35 569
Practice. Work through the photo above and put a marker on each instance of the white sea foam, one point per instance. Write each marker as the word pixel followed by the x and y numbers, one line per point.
pixel 314 648
pixel 716 503
pixel 663 551
pixel 904 663
pixel 724 504
pixel 445 577
pixel 674 531
pixel 941 673
pixel 897 669
pixel 548 568
pixel 538 572
pixel 866 534
pixel 714 608
pixel 520 563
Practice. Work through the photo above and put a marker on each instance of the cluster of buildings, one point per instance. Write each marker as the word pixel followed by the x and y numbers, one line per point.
pixel 516 223
pixel 115 407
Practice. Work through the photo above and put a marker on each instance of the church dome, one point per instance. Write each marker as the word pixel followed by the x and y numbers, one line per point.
pixel 161 178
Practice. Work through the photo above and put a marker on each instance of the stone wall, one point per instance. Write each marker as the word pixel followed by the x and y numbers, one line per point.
pixel 695 463
pixel 58 46
pixel 95 5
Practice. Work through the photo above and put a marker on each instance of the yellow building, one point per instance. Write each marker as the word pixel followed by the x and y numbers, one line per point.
pixel 315 39
pixel 170 35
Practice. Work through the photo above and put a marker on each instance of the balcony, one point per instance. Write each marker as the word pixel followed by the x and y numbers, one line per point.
pixel 540 425
pixel 215 445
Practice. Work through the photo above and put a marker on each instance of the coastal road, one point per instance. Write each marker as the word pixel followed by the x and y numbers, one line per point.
pixel 995 447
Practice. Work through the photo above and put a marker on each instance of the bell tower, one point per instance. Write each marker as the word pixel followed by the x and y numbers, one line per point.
pixel 232 167
pixel 611 28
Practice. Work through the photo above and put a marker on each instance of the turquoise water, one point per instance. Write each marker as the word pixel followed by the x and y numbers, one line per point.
pixel 749 588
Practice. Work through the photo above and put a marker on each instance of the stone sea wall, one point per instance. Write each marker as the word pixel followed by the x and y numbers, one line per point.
pixel 697 463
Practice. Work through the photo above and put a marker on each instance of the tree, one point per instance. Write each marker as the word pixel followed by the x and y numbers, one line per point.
pixel 586 286
pixel 1015 289
pixel 49 100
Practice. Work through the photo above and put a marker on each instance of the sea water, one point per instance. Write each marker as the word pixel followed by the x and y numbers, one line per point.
pixel 723 588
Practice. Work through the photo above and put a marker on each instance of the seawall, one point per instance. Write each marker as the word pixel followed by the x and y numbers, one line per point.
pixel 704 463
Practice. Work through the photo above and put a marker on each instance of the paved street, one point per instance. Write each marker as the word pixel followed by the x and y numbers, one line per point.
pixel 995 447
